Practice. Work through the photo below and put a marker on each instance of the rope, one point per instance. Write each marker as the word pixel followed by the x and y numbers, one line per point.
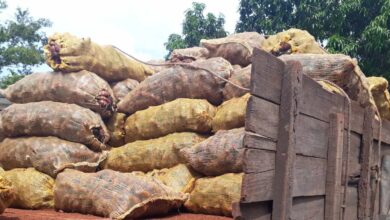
pixel 183 64
pixel 348 143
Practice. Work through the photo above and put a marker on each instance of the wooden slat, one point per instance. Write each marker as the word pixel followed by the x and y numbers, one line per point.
pixel 309 180
pixel 256 141
pixel 262 117
pixel 318 102
pixel 252 211
pixel 285 147
pixel 308 208
pixel 334 167
pixel 257 161
pixel 311 137
pixel 364 183
pixel 267 73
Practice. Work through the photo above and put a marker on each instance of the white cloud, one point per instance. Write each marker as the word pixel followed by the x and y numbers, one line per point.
pixel 138 27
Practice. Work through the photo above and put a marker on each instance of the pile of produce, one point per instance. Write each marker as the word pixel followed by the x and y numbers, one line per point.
pixel 109 136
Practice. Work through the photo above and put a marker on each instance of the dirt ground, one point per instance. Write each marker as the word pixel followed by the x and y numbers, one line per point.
pixel 20 214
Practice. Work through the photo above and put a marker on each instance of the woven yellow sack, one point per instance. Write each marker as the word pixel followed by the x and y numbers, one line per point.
pixel 236 48
pixel 116 128
pixel 218 154
pixel 7 192
pixel 180 115
pixel 147 155
pixel 178 178
pixel 215 195
pixel 34 190
pixel 378 87
pixel 68 53
pixel 292 41
pixel 49 155
pixel 329 87
pixel 231 114
pixel 114 194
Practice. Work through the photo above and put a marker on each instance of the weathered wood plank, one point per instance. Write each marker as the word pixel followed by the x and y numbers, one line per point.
pixel 303 208
pixel 308 208
pixel 309 180
pixel 318 102
pixel 285 147
pixel 262 117
pixel 311 137
pixel 257 161
pixel 364 183
pixel 267 73
pixel 256 141
pixel 334 167
pixel 252 211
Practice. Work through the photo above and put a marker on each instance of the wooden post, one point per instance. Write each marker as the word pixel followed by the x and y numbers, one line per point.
pixel 285 148
pixel 367 148
pixel 334 167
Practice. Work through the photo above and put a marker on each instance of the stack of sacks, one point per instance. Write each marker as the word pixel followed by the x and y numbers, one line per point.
pixel 7 192
pixel 172 116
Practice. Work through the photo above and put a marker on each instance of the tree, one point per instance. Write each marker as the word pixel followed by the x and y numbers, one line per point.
pixel 359 28
pixel 196 26
pixel 21 42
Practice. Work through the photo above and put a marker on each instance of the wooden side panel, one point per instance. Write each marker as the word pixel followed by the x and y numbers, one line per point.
pixel 309 180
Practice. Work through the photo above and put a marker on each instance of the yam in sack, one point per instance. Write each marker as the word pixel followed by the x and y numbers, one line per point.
pixel 292 41
pixel 68 53
pixel 231 114
pixel 116 127
pixel 236 48
pixel 33 189
pixel 113 194
pixel 151 154
pixel 218 154
pixel 177 116
pixel 83 88
pixel 7 192
pixel 179 82
pixel 215 195
pixel 122 88
pixel 49 155
pixel 241 77
pixel 66 121
pixel 339 69
pixel 188 55
pixel 378 88
pixel 179 178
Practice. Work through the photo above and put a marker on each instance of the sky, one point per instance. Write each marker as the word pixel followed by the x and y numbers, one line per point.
pixel 139 27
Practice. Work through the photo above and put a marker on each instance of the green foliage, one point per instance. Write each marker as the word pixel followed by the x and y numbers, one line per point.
pixel 21 41
pixel 175 41
pixel 10 79
pixel 359 28
pixel 196 26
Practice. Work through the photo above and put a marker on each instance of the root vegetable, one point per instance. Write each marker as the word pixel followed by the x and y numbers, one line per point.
pixel 67 121
pixel 179 82
pixel 83 88
pixel 49 155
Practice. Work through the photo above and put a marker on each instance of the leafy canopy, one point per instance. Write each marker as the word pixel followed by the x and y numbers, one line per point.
pixel 196 26
pixel 21 41
pixel 359 28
